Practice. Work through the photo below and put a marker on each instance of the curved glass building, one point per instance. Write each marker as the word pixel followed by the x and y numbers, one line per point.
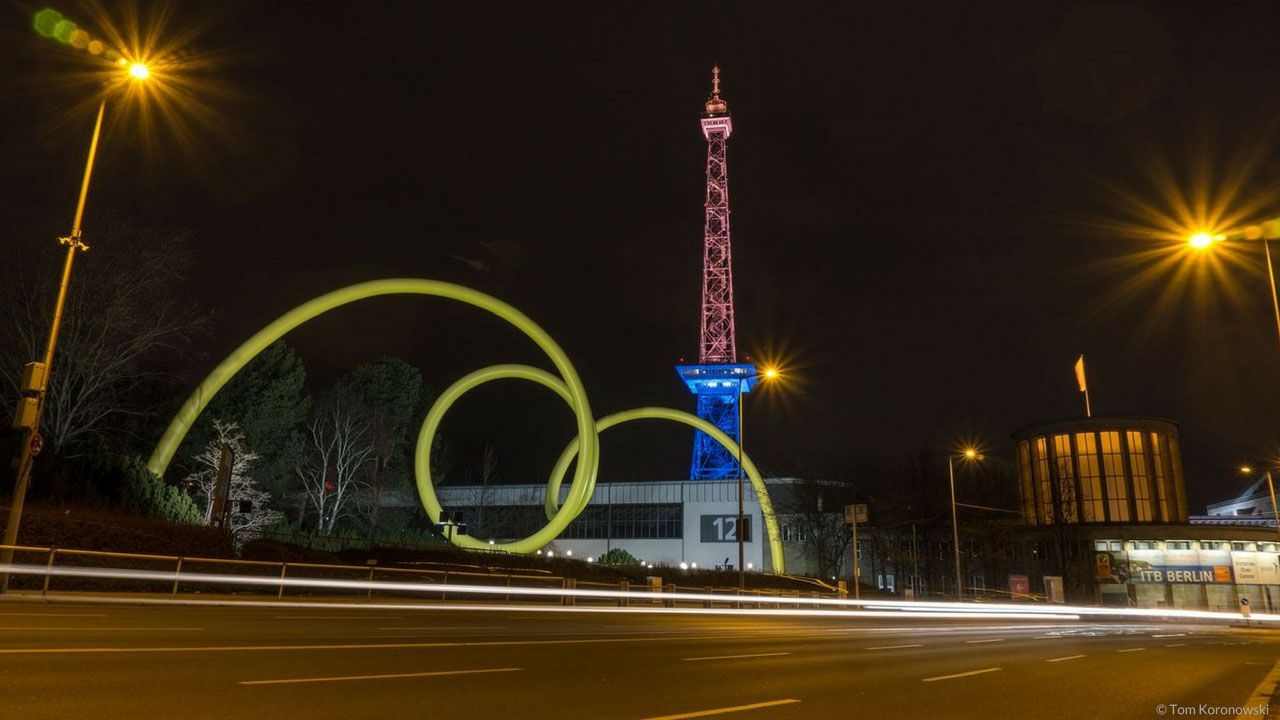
pixel 1115 469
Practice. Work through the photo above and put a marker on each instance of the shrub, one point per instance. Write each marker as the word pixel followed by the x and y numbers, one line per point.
pixel 618 557
pixel 142 492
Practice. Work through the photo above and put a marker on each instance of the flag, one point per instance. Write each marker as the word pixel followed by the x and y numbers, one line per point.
pixel 1080 374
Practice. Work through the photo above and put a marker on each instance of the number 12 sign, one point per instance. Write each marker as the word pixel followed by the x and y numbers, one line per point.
pixel 724 528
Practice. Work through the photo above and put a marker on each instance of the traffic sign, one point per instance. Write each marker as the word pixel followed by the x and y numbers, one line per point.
pixel 36 444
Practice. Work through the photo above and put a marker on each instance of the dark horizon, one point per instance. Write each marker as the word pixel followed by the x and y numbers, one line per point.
pixel 918 198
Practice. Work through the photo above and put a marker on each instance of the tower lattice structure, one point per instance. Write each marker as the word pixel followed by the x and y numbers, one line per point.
pixel 718 379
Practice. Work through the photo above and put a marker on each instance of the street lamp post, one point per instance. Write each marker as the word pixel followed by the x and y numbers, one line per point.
pixel 1265 233
pixel 1271 489
pixel 968 455
pixel 31 413
pixel 768 374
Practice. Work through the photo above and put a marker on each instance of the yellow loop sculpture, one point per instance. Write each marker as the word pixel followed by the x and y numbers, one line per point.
pixel 585 447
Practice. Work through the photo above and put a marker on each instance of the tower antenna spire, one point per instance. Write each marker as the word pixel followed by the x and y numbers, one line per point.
pixel 715 105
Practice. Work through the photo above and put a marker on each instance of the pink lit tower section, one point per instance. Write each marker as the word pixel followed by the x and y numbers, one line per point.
pixel 718 380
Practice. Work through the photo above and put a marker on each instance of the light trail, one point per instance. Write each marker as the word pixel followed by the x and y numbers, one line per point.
pixel 826 607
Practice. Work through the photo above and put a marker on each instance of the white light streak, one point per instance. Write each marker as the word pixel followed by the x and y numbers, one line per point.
pixel 826 607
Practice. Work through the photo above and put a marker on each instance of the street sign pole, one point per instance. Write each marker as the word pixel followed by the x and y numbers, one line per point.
pixel 852 515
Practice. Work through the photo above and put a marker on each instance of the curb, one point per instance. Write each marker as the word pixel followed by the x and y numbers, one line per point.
pixel 1259 703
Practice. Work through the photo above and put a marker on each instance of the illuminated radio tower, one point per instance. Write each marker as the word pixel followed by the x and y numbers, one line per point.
pixel 718 379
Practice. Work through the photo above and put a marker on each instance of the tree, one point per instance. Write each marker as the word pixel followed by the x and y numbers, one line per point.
pixel 124 320
pixel 339 449
pixel 814 509
pixel 389 392
pixel 249 507
pixel 488 519
pixel 266 402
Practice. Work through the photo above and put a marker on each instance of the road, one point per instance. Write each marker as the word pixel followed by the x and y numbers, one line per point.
pixel 104 660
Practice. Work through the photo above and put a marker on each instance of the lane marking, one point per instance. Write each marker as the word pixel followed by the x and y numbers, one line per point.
pixel 338 617
pixel 91 628
pixel 894 647
pixel 1176 645
pixel 9 614
pixel 450 627
pixel 1130 650
pixel 734 657
pixel 724 710
pixel 989 640
pixel 1169 635
pixel 960 675
pixel 290 681
pixel 1062 659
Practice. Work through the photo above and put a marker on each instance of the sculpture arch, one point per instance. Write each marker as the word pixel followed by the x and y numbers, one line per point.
pixel 586 446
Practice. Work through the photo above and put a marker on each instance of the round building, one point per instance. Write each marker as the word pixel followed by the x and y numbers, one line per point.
pixel 1116 469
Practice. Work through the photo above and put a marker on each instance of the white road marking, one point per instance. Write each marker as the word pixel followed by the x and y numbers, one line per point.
pixel 8 614
pixel 1068 657
pixel 1170 635
pixel 1130 650
pixel 989 640
pixel 1176 645
pixel 450 627
pixel 960 675
pixel 725 710
pixel 72 628
pixel 893 647
pixel 734 657
pixel 373 616
pixel 290 681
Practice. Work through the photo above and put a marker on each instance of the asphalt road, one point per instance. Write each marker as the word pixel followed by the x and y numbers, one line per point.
pixel 105 660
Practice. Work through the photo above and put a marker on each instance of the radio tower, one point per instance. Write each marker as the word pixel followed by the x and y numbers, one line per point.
pixel 718 379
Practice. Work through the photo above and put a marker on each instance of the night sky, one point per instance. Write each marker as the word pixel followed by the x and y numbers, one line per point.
pixel 919 200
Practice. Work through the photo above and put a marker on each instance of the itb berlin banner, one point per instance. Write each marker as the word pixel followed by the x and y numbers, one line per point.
pixel 1168 566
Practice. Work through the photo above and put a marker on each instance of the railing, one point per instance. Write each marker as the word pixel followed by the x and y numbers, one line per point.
pixel 65 569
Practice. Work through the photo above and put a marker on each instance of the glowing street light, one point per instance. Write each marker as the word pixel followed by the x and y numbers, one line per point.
pixel 769 374
pixel 969 454
pixel 1265 232
pixel 1201 240
pixel 35 386
pixel 1275 512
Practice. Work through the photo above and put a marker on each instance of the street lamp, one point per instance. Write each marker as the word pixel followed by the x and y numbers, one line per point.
pixel 36 374
pixel 1271 488
pixel 1265 232
pixel 769 373
pixel 967 455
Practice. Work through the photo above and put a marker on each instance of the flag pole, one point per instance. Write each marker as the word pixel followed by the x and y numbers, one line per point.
pixel 1084 385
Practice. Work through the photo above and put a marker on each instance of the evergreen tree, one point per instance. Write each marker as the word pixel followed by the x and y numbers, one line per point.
pixel 266 401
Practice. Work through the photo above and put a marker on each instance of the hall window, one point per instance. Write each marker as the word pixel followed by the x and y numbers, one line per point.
pixel 1090 478
pixel 1066 477
pixel 1045 492
pixel 1157 470
pixel 1024 479
pixel 1117 488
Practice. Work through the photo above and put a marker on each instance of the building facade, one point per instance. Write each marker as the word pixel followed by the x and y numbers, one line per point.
pixel 665 523
pixel 1101 470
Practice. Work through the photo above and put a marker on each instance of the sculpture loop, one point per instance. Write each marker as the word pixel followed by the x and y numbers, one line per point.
pixel 585 447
